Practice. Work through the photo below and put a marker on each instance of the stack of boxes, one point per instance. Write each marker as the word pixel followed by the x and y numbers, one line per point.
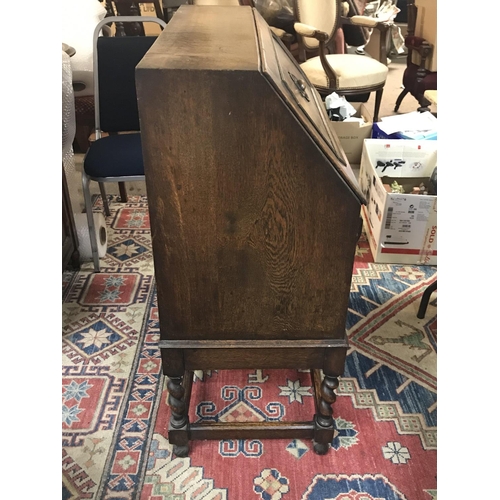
pixel 398 179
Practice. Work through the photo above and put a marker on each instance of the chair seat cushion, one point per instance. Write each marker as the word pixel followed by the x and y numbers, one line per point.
pixel 353 72
pixel 115 156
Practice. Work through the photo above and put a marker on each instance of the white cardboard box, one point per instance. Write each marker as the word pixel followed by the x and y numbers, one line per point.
pixel 352 134
pixel 401 228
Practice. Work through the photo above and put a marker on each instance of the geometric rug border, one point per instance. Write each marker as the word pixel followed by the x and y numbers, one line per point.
pixel 102 491
pixel 391 308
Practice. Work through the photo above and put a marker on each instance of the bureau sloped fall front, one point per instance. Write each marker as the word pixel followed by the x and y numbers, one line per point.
pixel 255 216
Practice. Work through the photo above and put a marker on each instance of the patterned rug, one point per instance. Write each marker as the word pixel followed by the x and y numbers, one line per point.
pixel 114 411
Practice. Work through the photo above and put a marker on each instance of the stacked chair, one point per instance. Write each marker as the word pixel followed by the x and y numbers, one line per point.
pixel 117 155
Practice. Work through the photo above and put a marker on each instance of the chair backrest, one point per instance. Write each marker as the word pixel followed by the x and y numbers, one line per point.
pixel 322 14
pixel 115 59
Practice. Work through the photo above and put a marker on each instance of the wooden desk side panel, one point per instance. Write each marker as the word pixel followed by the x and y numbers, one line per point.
pixel 254 232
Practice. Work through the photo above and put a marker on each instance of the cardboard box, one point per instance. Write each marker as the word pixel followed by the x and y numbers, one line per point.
pixel 401 228
pixel 352 134
pixel 426 27
pixel 150 29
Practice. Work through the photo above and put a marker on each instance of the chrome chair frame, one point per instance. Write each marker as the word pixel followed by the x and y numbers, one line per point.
pixel 98 134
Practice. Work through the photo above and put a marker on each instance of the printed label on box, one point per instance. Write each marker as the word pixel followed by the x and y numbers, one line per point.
pixel 430 239
pixel 405 220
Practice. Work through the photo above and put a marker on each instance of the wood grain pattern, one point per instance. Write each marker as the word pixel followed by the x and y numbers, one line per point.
pixel 253 231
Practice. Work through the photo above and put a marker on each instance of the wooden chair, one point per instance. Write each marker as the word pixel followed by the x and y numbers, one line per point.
pixel 417 78
pixel 345 74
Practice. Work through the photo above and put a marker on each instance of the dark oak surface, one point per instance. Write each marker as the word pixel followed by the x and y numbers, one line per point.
pixel 254 211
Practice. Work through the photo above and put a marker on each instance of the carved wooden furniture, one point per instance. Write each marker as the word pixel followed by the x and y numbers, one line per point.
pixel 417 79
pixel 255 215
pixel 345 74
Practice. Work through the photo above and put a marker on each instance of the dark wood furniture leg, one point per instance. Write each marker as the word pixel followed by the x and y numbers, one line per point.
pixel 325 396
pixel 424 301
pixel 424 105
pixel 105 203
pixel 123 192
pixel 323 420
pixel 400 98
pixel 378 101
pixel 179 394
pixel 179 363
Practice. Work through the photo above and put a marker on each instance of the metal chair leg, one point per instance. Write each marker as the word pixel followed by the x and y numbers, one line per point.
pixel 105 203
pixel 90 220
pixel 424 301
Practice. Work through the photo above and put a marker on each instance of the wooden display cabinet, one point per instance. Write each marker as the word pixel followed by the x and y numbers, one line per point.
pixel 255 215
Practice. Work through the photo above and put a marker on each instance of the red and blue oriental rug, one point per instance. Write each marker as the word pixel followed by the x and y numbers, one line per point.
pixel 114 410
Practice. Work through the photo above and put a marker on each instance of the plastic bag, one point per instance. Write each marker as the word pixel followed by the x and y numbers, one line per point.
pixel 338 108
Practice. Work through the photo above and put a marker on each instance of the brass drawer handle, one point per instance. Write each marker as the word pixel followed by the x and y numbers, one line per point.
pixel 301 86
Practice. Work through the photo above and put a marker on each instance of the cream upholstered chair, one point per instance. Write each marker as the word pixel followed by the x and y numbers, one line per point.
pixel 345 74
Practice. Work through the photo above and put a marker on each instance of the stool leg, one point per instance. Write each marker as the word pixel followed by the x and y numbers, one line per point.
pixel 424 302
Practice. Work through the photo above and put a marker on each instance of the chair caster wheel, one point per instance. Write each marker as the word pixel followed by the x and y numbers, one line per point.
pixel 180 451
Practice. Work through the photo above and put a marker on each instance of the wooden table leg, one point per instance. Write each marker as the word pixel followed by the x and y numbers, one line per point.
pixel 324 392
pixel 179 393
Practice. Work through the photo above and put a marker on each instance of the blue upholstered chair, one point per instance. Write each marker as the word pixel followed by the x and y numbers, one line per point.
pixel 116 157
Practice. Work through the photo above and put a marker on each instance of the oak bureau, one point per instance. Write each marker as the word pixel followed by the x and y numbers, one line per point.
pixel 255 215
